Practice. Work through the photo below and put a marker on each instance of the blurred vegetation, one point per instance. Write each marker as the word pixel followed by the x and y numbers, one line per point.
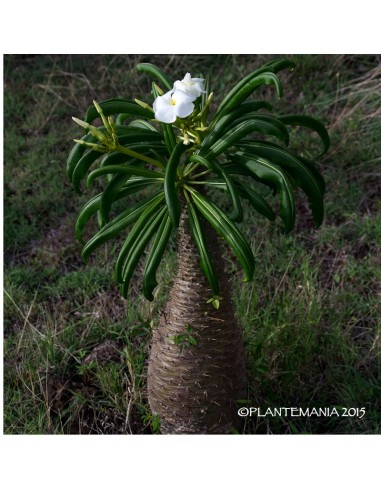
pixel 75 352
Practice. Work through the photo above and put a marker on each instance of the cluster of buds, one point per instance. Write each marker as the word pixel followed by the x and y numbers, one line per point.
pixel 106 141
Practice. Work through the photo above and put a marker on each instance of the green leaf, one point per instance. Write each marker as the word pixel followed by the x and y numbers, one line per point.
pixel 277 65
pixel 246 192
pixel 205 95
pixel 308 122
pixel 121 222
pixel 148 211
pixel 155 72
pixel 275 128
pixel 122 169
pixel 158 247
pixel 110 193
pixel 229 231
pixel 170 189
pixel 301 173
pixel 243 90
pixel 76 154
pixel 140 136
pixel 93 205
pixel 199 239
pixel 273 66
pixel 271 174
pixel 313 168
pixel 256 201
pixel 234 168
pixel 234 135
pixel 86 212
pixel 218 127
pixel 236 214
pixel 121 118
pixel 120 157
pixel 117 106
pixel 79 169
pixel 137 247
pixel 82 167
pixel 143 125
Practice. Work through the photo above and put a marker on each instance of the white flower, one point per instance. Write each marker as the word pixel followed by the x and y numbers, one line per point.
pixel 173 104
pixel 194 87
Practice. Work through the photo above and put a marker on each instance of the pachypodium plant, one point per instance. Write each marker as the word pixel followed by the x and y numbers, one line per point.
pixel 163 160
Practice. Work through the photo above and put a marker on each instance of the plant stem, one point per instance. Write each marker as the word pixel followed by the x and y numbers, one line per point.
pixel 201 174
pixel 137 155
pixel 191 168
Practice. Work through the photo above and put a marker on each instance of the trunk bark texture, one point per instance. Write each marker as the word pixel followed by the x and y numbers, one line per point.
pixel 194 388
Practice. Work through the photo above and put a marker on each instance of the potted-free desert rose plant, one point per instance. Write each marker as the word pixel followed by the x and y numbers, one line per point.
pixel 161 161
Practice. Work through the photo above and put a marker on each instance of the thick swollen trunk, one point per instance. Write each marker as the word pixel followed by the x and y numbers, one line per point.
pixel 193 388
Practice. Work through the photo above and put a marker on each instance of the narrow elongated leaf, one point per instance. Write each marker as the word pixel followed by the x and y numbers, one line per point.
pixel 229 231
pixel 274 66
pixel 268 125
pixel 140 136
pixel 122 169
pixel 137 248
pixel 170 189
pixel 235 168
pixel 148 212
pixel 79 150
pixel 236 213
pixel 205 95
pixel 241 93
pixel 233 136
pixel 121 222
pixel 169 137
pixel 314 170
pixel 86 212
pixel 121 118
pixel 143 125
pixel 246 192
pixel 116 106
pixel 149 149
pixel 206 263
pixel 117 158
pixel 256 201
pixel 218 127
pixel 82 167
pixel 76 154
pixel 158 247
pixel 155 72
pixel 110 193
pixel 277 65
pixel 93 205
pixel 308 122
pixel 271 174
pixel 301 173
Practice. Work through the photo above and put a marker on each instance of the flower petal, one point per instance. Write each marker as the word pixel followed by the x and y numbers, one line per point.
pixel 180 97
pixel 166 114
pixel 192 86
pixel 184 109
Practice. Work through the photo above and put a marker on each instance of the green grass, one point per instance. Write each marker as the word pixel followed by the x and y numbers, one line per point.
pixel 75 352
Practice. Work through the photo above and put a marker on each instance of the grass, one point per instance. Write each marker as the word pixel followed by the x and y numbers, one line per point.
pixel 75 352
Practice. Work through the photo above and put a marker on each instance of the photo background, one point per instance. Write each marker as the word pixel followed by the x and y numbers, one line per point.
pixel 75 351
